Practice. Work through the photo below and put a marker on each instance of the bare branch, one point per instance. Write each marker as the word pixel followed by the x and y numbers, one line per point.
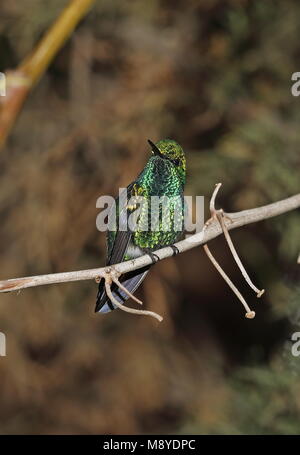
pixel 221 217
pixel 23 79
pixel 249 313
pixel 108 281
pixel 121 286
pixel 213 230
pixel 259 292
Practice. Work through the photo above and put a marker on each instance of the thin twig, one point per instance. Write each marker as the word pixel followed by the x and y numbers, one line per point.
pixel 108 281
pixel 259 292
pixel 249 313
pixel 121 286
pixel 212 202
pixel 220 216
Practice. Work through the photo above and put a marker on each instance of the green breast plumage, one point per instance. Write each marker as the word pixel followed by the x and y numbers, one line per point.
pixel 160 222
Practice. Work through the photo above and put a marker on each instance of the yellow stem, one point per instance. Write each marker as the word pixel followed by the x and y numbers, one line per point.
pixel 38 61
pixel 23 79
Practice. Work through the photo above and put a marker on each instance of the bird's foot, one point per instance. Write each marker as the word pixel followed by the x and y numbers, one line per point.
pixel 154 258
pixel 175 250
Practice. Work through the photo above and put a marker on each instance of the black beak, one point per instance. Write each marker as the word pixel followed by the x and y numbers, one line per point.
pixel 155 149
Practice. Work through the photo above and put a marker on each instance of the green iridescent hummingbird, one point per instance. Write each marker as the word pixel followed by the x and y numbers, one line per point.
pixel 156 225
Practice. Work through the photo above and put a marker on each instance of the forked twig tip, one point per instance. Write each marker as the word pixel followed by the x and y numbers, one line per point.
pixel 108 281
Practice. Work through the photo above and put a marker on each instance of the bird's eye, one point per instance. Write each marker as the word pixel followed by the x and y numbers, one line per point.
pixel 176 162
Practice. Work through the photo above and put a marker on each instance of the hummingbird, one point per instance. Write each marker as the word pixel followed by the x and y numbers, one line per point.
pixel 163 176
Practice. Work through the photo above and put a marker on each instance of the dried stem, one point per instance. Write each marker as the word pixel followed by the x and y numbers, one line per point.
pixel 249 313
pixel 108 281
pixel 259 292
pixel 121 286
pixel 220 216
pixel 212 202
pixel 23 79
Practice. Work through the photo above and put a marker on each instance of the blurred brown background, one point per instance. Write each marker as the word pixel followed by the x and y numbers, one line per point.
pixel 216 76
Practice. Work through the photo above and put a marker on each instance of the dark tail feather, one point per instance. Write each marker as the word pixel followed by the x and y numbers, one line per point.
pixel 131 281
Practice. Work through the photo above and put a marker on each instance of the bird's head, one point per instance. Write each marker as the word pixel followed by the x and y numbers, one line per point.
pixel 170 150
